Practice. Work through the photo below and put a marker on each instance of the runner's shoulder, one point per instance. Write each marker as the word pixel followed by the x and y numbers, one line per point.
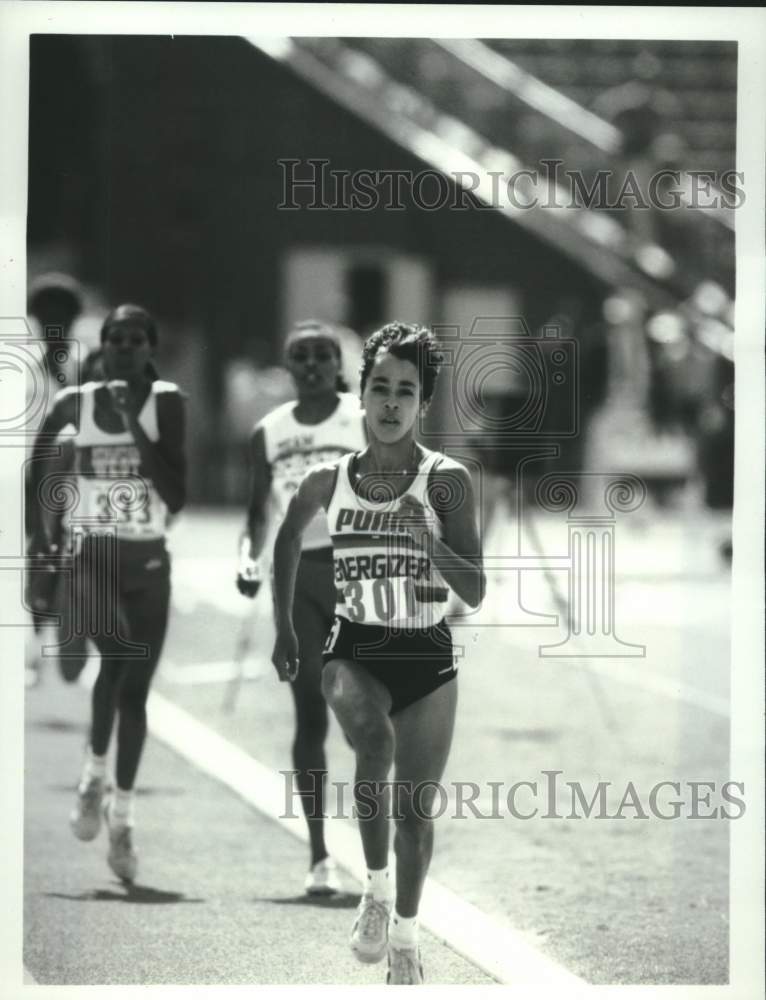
pixel 274 416
pixel 448 480
pixel 445 463
pixel 319 481
pixel 66 402
pixel 169 396
pixel 447 467
pixel 161 387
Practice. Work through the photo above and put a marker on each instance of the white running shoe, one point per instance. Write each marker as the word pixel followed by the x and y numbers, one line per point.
pixel 323 879
pixel 122 857
pixel 369 935
pixel 404 966
pixel 85 818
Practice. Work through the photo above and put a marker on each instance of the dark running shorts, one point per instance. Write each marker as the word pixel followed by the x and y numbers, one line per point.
pixel 410 665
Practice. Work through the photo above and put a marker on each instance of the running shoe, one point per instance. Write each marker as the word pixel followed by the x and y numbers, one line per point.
pixel 404 966
pixel 85 818
pixel 322 879
pixel 369 935
pixel 122 857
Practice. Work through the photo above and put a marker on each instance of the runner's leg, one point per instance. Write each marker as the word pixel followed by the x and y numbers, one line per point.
pixel 361 704
pixel 146 615
pixel 311 721
pixel 423 734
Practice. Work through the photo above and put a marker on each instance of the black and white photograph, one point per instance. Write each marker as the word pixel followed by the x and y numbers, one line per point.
pixel 382 531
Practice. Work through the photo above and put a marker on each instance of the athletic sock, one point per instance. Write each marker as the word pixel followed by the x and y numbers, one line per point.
pixel 121 808
pixel 378 884
pixel 403 931
pixel 94 767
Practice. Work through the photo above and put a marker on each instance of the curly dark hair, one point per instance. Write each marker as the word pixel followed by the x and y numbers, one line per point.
pixel 409 342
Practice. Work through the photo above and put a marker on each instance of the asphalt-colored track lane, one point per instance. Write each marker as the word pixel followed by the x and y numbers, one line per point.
pixel 218 899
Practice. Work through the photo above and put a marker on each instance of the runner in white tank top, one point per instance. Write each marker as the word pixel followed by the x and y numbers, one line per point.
pixel 404 532
pixel 129 475
pixel 382 577
pixel 323 424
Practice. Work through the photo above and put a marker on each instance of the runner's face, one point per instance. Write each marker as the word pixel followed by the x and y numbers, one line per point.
pixel 126 351
pixel 314 364
pixel 391 397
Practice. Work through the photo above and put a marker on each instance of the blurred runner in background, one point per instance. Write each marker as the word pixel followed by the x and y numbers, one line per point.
pixel 127 434
pixel 323 423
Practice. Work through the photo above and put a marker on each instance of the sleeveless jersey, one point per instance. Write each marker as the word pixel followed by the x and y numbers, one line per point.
pixel 112 494
pixel 381 576
pixel 293 448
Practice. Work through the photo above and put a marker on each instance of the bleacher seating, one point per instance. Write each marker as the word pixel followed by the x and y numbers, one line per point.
pixel 692 88
pixel 700 76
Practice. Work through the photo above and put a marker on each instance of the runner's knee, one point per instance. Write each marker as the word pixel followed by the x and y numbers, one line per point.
pixel 372 737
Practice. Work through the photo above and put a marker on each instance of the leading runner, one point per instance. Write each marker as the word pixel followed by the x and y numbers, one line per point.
pixel 403 527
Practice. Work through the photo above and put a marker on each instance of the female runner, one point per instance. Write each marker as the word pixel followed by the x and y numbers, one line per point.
pixel 128 437
pixel 402 521
pixel 323 424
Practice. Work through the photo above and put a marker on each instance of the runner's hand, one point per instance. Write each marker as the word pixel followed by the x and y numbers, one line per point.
pixel 415 516
pixel 249 575
pixel 123 399
pixel 247 584
pixel 41 579
pixel 285 655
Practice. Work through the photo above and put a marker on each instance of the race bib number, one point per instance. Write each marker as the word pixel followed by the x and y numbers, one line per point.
pixel 132 507
pixel 383 601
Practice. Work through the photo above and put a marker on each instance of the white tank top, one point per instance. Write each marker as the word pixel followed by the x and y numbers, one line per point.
pixel 112 494
pixel 381 576
pixel 293 448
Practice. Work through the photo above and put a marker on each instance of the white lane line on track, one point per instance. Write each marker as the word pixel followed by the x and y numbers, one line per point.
pixel 496 948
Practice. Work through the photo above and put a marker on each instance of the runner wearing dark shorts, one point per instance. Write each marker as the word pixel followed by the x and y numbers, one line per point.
pixel 129 469
pixel 402 521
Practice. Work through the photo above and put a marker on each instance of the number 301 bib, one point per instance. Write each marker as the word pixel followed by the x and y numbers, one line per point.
pixel 111 493
pixel 381 576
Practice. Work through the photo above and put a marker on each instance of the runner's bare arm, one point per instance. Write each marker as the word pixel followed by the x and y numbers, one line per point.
pixel 164 461
pixel 260 488
pixel 312 495
pixel 458 555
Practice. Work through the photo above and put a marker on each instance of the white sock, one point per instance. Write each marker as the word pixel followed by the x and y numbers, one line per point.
pixel 378 884
pixel 94 767
pixel 121 808
pixel 403 931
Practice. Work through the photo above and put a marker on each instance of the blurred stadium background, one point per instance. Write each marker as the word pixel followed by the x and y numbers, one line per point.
pixel 153 177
